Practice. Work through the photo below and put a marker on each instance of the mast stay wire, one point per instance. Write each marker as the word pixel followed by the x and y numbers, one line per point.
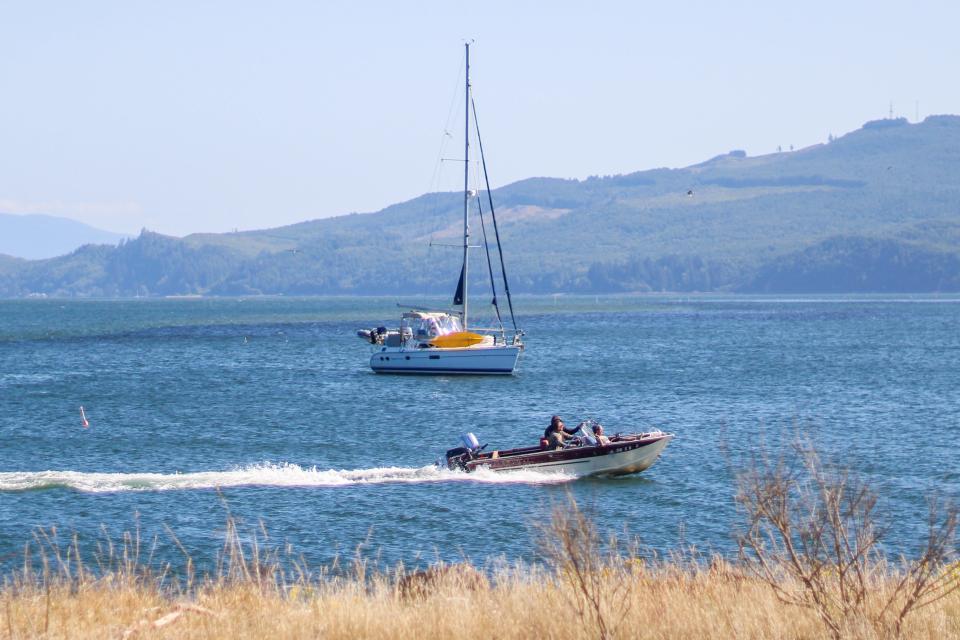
pixel 475 174
pixel 493 214
pixel 486 248
pixel 474 180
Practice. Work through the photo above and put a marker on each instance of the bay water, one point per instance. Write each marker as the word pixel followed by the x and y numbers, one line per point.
pixel 265 409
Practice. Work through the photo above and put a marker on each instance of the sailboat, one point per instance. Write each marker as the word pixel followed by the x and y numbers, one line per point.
pixel 441 341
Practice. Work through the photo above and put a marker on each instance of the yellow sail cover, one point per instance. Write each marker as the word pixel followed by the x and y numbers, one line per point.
pixel 458 339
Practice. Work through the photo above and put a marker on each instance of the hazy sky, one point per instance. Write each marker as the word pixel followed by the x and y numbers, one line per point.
pixel 209 116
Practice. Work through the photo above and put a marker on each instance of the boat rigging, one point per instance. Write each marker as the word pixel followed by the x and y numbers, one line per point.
pixel 442 341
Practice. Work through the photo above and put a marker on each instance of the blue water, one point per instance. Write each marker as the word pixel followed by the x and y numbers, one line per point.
pixel 266 408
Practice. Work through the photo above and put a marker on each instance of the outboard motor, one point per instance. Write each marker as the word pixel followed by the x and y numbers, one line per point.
pixel 470 441
pixel 373 336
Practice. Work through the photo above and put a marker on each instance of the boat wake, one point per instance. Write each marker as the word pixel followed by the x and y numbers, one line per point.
pixel 260 475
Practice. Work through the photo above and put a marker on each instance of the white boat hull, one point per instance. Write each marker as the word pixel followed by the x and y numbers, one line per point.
pixel 630 454
pixel 612 464
pixel 495 359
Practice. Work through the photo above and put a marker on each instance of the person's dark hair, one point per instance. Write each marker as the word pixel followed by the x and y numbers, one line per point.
pixel 555 420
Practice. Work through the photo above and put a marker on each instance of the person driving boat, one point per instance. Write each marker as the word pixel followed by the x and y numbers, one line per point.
pixel 557 433
pixel 558 437
pixel 553 425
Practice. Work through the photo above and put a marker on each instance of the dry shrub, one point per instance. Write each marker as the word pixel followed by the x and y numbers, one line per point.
pixel 812 535
pixel 460 577
pixel 595 577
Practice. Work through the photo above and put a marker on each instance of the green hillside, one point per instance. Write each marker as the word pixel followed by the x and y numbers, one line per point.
pixel 875 210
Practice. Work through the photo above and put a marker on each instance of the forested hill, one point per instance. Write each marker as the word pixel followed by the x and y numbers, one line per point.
pixel 877 209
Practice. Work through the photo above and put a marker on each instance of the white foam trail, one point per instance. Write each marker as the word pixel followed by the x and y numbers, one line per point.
pixel 260 475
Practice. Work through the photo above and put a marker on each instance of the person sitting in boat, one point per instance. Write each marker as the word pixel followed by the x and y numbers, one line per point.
pixel 557 433
pixel 598 434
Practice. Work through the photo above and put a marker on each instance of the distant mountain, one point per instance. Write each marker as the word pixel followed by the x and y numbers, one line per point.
pixel 38 236
pixel 877 209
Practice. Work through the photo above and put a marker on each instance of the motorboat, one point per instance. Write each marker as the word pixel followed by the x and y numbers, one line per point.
pixel 440 341
pixel 583 455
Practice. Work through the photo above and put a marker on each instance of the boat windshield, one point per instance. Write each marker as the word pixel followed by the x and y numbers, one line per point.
pixel 585 431
pixel 450 324
pixel 427 327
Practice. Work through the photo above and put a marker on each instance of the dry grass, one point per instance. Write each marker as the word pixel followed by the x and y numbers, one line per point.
pixel 253 598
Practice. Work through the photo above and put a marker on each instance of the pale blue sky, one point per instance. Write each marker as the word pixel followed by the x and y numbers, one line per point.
pixel 209 116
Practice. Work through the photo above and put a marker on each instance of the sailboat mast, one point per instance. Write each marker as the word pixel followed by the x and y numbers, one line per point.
pixel 466 184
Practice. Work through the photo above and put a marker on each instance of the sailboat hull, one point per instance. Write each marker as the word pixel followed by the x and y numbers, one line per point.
pixel 474 360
